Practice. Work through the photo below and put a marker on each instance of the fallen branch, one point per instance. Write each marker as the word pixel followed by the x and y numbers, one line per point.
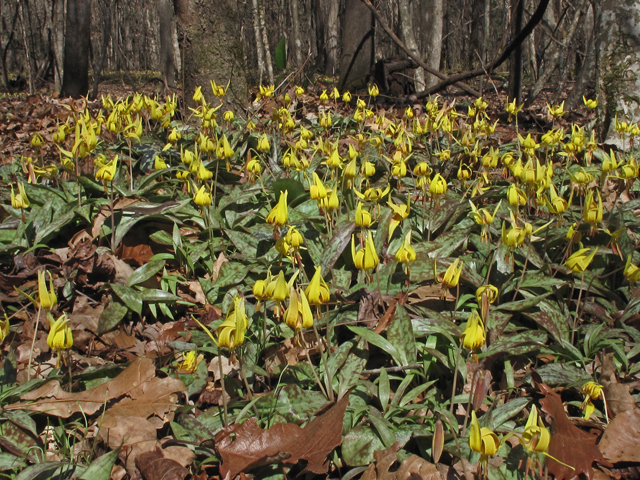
pixel 524 33
pixel 414 57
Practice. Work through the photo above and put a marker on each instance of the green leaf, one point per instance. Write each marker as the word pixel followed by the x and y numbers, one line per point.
pixel 231 273
pixel 100 468
pixel 291 404
pixel 349 374
pixel 145 272
pixel 565 374
pixel 379 341
pixel 281 54
pixel 111 316
pixel 384 389
pixel 359 444
pixel 510 409
pixel 400 335
pixel 297 194
pixel 9 461
pixel 520 305
pixel 156 295
pixel 129 296
pixel 246 244
pixel 48 471
pixel 20 442
pixel 162 237
pixel 336 246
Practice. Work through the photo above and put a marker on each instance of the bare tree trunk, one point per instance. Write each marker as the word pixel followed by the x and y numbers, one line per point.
pixel 297 43
pixel 75 82
pixel 5 49
pixel 515 76
pixel 485 39
pixel 331 10
pixel 586 77
pixel 28 50
pixel 167 65
pixel 259 46
pixel 265 42
pixel 406 29
pixel 106 34
pixel 432 30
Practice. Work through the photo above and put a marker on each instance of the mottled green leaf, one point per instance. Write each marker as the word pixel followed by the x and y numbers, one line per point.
pixel 336 246
pixel 400 335
pixel 111 316
pixel 100 468
pixel 145 272
pixel 129 296
pixel 291 404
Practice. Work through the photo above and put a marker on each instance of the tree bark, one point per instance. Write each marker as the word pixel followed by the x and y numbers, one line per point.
pixel 331 10
pixel 99 65
pixel 265 42
pixel 432 30
pixel 617 43
pixel 75 80
pixel 167 65
pixel 357 59
pixel 296 40
pixel 406 28
pixel 515 74
pixel 212 49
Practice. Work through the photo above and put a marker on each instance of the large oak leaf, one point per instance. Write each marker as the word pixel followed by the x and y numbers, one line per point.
pixel 283 442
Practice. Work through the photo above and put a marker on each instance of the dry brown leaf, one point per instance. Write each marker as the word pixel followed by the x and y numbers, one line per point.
pixel 283 442
pixel 621 439
pixel 413 467
pixel 215 271
pixel 569 444
pixel 154 466
pixel 617 394
pixel 136 436
pixel 52 399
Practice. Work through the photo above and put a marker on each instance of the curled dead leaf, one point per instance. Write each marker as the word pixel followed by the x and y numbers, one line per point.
pixel 621 439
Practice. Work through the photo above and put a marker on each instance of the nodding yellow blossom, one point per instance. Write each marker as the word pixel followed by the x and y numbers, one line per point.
pixel 374 91
pixel 317 191
pixel 19 201
pixel 631 272
pixel 368 169
pixel 482 440
pixel 202 197
pixel 557 204
pixel 4 328
pixel 108 172
pixel 366 257
pixel 592 392
pixel 484 218
pixel 516 196
pixel 529 144
pixel 451 276
pixel 317 292
pixel 277 289
pixel 263 143
pixel 299 314
pixel 294 238
pixel 512 109
pixel 47 299
pixel 363 217
pixel 219 90
pixel 159 163
pixel 346 97
pixel 279 215
pixel 422 169
pixel 536 436
pixel 590 103
pixel 474 335
pixel 60 336
pixel 406 253
pixel 231 331
pixel 515 236
pixel 490 292
pixel 373 194
pixel 37 141
pixel 260 288
pixel 228 116
pixel 580 260
pixel 593 210
pixel 438 185
pixel 190 362
pixel 197 95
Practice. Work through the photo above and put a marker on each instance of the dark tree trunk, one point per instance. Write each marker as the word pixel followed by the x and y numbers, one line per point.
pixel 212 49
pixel 515 77
pixel 357 46
pixel 167 64
pixel 75 81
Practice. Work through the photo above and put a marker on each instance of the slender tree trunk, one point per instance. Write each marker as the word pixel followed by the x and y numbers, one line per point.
pixel 5 49
pixel 75 81
pixel 432 30
pixel 586 77
pixel 331 10
pixel 28 51
pixel 265 42
pixel 259 45
pixel 167 65
pixel 406 28
pixel 297 42
pixel 106 34
pixel 515 76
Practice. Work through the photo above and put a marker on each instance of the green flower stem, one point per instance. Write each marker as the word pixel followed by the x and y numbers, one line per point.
pixel 455 377
pixel 33 342
pixel 329 379
pixel 224 393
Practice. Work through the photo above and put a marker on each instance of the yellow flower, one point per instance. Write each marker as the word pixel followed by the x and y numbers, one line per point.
pixel 373 194
pixel 317 191
pixel 482 216
pixel 536 436
pixel 231 331
pixel 4 328
pixel 592 392
pixel 580 260
pixel 556 110
pixel 529 144
pixel 474 335
pixel 228 116
pixel 422 169
pixel 263 143
pixel 363 217
pixel 108 172
pixel 346 97
pixel 190 362
pixel 294 238
pixel 37 141
pixel 317 292
pixel 219 90
pixel 298 315
pixel 366 257
pixel 374 91
pixel 489 291
pixel 557 204
pixel 332 202
pixel 323 96
pixel 60 336
pixel 631 271
pixel 278 289
pixel 253 167
pixel 368 169
pixel 593 210
pixel 515 236
pixel 197 95
pixel 406 253
pixel 20 200
pixel 590 103
pixel 224 149
pixel 482 440
pixel 452 274
pixel 279 214
pixel 159 163
pixel 512 109
pixel 400 212
pixel 202 197
pixel 438 185
pixel 260 288
pixel 46 298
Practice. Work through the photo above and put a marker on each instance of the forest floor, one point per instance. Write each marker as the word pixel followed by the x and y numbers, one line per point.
pixel 349 288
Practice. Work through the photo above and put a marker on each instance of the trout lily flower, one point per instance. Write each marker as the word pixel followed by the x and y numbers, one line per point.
pixel 4 328
pixel 60 336
pixel 231 332
pixel 108 172
pixel 366 257
pixel 474 335
pixel 317 292
pixel 485 296
pixel 438 186
pixel 590 103
pixel 482 440
pixel 373 194
pixel 631 272
pixel 400 213
pixel 484 218
pixel 363 217
pixel 19 201
pixel 190 362
pixel 202 198
pixel 451 276
pixel 406 253
pixel 580 260
pixel 536 436
pixel 298 315
pixel 593 210
pixel 279 215
pixel 592 391
pixel 317 191
pixel 47 299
